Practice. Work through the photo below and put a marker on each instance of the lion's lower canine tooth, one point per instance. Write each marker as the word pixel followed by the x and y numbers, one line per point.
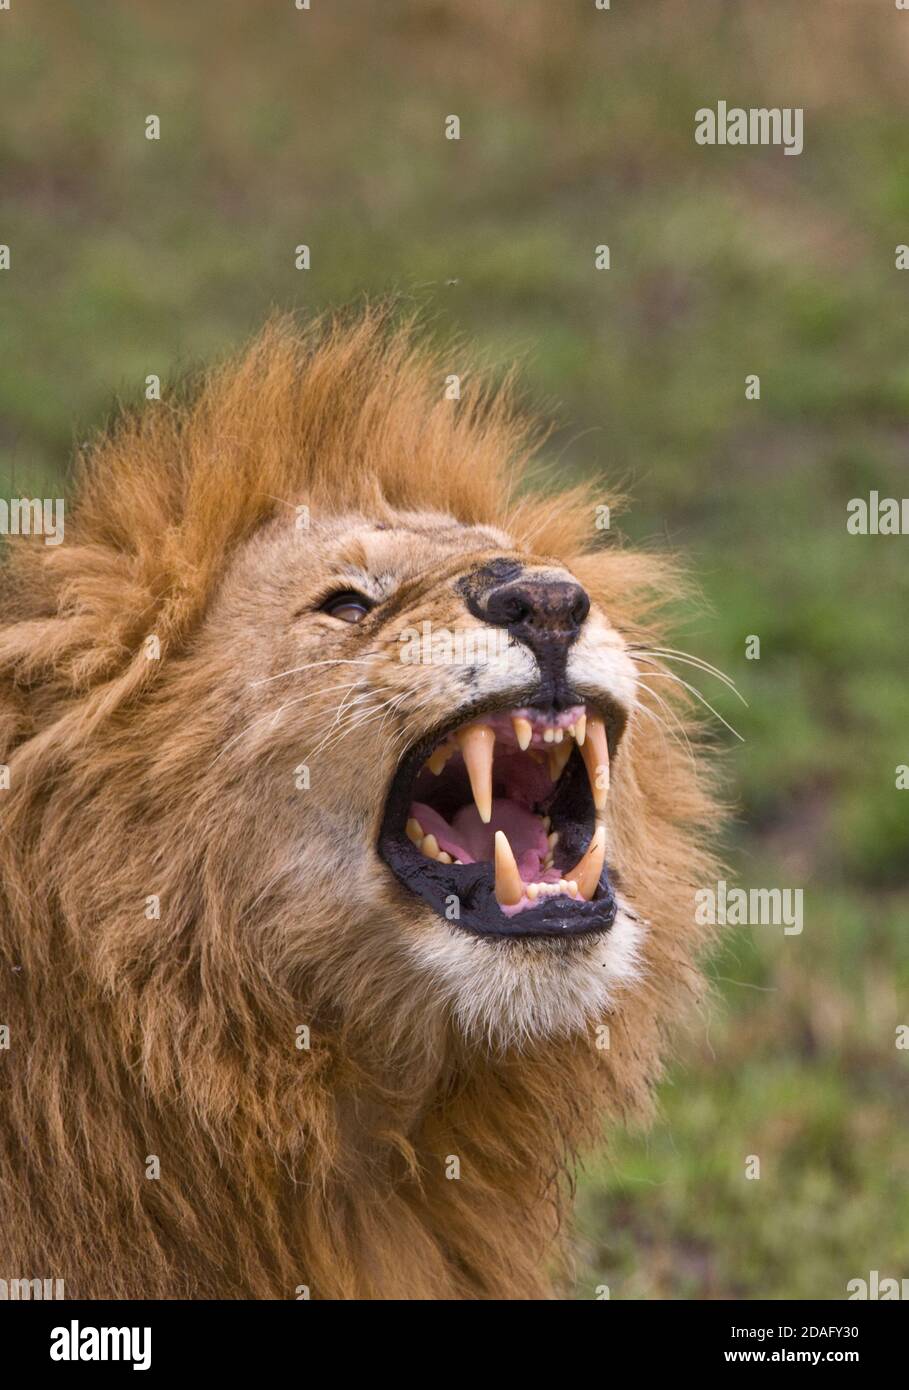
pixel 414 831
pixel 477 742
pixel 523 732
pixel 509 887
pixel 580 730
pixel 586 873
pixel 595 753
pixel 430 847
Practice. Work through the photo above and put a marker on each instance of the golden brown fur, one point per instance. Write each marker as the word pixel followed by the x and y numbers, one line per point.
pixel 175 1036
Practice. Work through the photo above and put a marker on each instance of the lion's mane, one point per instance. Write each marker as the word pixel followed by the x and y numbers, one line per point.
pixel 132 1038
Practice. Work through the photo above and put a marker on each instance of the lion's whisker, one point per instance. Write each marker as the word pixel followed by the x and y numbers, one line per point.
pixel 666 654
pixel 273 715
pixel 294 670
pixel 348 727
pixel 693 690
pixel 669 710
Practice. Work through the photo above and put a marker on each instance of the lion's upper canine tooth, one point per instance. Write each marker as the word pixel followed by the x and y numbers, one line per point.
pixel 523 731
pixel 509 886
pixel 586 873
pixel 595 752
pixel 440 758
pixel 477 742
pixel 414 832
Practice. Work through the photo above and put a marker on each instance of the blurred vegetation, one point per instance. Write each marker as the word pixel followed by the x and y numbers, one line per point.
pixel 281 126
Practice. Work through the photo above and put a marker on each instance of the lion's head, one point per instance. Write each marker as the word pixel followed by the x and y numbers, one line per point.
pixel 338 790
pixel 418 718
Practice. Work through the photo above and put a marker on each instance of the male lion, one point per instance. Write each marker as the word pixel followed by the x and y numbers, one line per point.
pixel 348 854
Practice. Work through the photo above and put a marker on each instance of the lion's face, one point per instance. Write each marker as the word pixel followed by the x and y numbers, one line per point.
pixel 426 717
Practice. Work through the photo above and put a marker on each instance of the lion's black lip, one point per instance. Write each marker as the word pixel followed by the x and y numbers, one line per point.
pixel 463 895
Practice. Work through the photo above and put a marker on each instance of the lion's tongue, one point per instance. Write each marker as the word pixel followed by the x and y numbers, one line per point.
pixel 468 839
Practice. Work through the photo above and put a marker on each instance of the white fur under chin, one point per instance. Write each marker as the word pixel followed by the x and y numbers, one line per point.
pixel 507 993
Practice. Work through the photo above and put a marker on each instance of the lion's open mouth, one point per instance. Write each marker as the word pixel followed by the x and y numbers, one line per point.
pixel 498 822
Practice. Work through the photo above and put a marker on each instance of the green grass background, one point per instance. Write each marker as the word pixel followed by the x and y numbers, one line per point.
pixel 282 126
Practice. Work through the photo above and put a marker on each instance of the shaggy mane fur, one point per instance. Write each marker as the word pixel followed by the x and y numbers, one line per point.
pixel 131 1037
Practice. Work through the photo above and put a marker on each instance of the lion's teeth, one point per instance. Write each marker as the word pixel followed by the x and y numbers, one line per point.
pixel 558 735
pixel 509 887
pixel 533 891
pixel 477 742
pixel 439 758
pixel 595 753
pixel 580 730
pixel 553 839
pixel 414 832
pixel 444 857
pixel 586 873
pixel 549 735
pixel 523 731
pixel 430 847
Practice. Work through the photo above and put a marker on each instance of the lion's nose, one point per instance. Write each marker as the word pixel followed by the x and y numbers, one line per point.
pixel 545 613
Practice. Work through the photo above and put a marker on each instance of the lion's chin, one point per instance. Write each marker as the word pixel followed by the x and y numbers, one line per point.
pixel 509 994
pixel 497 820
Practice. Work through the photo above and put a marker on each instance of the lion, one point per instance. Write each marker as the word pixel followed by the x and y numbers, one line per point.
pixel 348 853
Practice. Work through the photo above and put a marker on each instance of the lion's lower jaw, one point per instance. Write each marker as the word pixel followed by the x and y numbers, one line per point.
pixel 508 994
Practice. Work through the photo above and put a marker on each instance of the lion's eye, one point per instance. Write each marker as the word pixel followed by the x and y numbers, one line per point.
pixel 349 607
